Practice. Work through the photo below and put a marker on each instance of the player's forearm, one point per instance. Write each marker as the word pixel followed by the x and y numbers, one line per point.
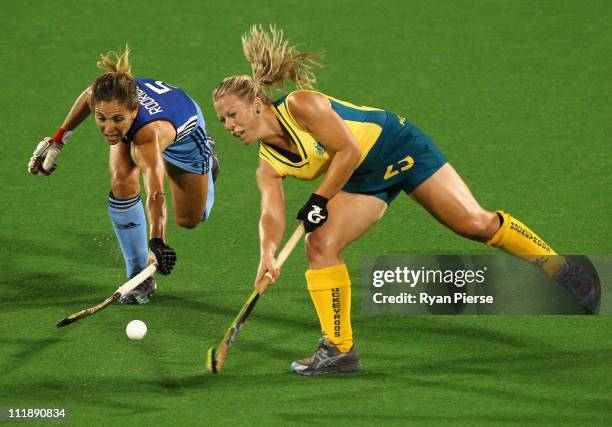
pixel 156 212
pixel 79 111
pixel 146 155
pixel 271 230
pixel 340 170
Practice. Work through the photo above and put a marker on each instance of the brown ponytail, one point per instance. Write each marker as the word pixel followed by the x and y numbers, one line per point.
pixel 117 83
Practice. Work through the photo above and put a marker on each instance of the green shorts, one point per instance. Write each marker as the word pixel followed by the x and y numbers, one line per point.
pixel 402 159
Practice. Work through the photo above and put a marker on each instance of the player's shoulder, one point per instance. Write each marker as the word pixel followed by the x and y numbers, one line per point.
pixel 155 87
pixel 302 103
pixel 143 80
pixel 299 97
pixel 153 131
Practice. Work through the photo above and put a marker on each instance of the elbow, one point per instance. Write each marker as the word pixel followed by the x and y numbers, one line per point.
pixel 355 154
pixel 276 217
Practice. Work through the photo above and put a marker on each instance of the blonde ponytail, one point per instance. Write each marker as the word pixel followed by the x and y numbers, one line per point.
pixel 273 61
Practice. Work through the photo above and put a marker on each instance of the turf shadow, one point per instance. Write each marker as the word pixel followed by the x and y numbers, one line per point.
pixel 31 349
pixel 230 312
pixel 42 289
pixel 406 416
pixel 32 252
pixel 524 362
pixel 457 376
pixel 428 326
pixel 267 349
pixel 118 393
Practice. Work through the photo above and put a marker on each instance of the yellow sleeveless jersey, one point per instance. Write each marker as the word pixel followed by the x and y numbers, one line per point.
pixel 365 123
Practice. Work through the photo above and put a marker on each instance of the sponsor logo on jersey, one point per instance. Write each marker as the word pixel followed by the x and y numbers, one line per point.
pixel 320 149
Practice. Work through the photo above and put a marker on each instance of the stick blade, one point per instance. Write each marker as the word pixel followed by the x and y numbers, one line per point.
pixel 66 321
pixel 212 360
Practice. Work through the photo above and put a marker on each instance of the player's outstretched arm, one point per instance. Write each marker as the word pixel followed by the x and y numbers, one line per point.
pixel 44 159
pixel 146 153
pixel 272 219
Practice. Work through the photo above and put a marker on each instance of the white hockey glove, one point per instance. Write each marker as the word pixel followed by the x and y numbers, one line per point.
pixel 44 159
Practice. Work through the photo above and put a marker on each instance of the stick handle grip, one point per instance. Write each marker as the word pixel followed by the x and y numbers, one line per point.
pixel 262 285
pixel 138 279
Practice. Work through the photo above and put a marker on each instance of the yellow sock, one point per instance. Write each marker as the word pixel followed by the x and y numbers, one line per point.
pixel 517 239
pixel 330 290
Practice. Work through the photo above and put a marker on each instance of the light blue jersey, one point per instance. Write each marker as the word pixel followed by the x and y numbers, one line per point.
pixel 190 151
pixel 157 100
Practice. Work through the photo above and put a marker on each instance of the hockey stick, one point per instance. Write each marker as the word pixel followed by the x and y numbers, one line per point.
pixel 122 290
pixel 216 358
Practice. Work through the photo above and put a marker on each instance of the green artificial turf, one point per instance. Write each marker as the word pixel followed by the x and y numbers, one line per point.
pixel 517 96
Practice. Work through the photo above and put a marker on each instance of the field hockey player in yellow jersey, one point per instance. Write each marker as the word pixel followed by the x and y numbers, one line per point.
pixel 368 157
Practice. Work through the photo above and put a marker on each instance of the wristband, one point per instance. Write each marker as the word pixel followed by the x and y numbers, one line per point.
pixel 156 241
pixel 314 212
pixel 61 136
pixel 318 199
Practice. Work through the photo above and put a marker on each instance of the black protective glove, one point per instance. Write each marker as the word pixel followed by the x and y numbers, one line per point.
pixel 164 255
pixel 313 213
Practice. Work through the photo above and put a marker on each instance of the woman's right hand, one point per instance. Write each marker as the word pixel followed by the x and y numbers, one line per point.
pixel 267 266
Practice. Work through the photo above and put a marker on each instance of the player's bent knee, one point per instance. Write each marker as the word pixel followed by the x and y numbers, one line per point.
pixel 123 192
pixel 189 222
pixel 479 226
pixel 188 217
pixel 124 186
pixel 320 247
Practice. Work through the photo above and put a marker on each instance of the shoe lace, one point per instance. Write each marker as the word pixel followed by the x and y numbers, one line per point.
pixel 322 347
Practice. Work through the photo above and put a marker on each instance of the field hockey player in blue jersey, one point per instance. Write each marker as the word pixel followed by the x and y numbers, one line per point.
pixel 153 129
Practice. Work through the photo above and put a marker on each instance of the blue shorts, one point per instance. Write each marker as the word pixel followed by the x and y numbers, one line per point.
pixel 401 160
pixel 193 154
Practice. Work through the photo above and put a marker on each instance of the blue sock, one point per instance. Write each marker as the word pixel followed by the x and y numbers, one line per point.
pixel 130 225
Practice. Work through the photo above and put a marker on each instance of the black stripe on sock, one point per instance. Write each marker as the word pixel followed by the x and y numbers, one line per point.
pixel 122 204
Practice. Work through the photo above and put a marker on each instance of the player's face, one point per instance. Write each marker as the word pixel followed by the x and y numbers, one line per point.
pixel 239 117
pixel 114 120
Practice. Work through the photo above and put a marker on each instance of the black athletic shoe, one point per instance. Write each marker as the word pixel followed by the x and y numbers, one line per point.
pixel 216 166
pixel 327 360
pixel 584 287
pixel 141 293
